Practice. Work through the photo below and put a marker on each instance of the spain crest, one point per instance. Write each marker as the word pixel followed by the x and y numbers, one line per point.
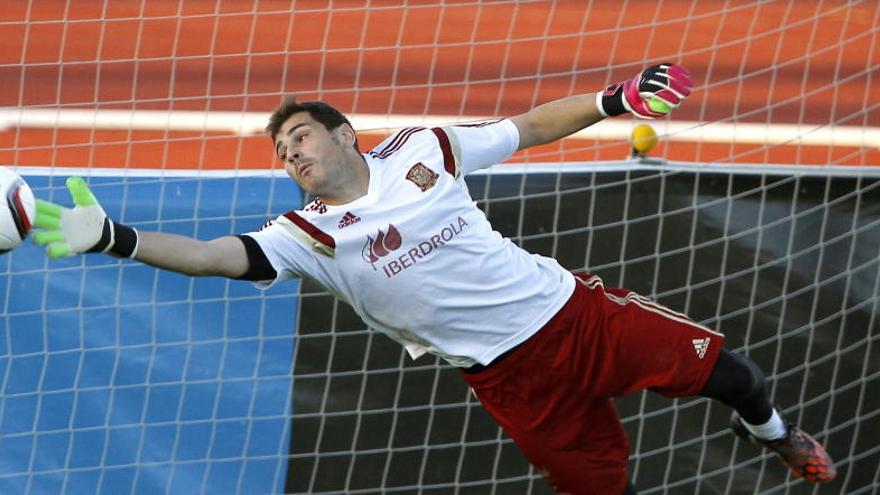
pixel 422 176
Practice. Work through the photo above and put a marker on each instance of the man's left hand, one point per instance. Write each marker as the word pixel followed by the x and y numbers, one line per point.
pixel 651 94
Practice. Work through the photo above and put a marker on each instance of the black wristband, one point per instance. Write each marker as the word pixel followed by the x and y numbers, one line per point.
pixel 612 103
pixel 106 238
pixel 126 241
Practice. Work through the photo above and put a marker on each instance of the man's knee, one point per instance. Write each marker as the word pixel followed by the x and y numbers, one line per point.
pixel 751 377
pixel 734 377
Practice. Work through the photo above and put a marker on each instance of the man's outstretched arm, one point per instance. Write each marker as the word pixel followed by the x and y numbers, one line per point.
pixel 651 94
pixel 225 256
pixel 556 119
pixel 87 229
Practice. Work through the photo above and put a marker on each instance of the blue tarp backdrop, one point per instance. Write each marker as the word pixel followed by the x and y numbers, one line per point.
pixel 119 378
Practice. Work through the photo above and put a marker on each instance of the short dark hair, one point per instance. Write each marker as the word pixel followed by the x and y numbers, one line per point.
pixel 320 111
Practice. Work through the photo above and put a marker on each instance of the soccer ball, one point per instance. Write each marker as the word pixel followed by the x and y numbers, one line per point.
pixel 17 212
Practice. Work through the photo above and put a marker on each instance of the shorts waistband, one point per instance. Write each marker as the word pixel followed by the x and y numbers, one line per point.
pixel 483 373
pixel 483 367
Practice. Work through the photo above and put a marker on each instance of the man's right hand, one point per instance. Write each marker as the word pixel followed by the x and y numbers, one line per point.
pixel 83 229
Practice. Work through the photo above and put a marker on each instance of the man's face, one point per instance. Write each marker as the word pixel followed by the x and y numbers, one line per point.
pixel 313 156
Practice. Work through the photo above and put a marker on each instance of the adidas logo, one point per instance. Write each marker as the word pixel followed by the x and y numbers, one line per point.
pixel 348 219
pixel 701 345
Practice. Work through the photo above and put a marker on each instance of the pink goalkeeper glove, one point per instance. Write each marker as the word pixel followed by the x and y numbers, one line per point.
pixel 652 93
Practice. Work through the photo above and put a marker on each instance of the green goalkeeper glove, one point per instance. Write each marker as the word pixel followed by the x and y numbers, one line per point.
pixel 83 229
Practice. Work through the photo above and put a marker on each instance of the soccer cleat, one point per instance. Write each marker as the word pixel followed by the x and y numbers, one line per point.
pixel 800 452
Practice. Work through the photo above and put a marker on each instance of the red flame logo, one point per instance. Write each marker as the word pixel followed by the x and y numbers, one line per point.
pixel 384 243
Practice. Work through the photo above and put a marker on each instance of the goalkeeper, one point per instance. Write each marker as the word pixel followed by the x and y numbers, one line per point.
pixel 394 233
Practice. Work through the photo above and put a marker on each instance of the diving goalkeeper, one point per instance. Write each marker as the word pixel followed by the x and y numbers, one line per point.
pixel 394 233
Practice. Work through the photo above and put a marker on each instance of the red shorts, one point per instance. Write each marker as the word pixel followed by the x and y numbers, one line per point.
pixel 553 393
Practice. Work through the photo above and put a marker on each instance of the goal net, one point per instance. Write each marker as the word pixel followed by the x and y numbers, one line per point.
pixel 756 214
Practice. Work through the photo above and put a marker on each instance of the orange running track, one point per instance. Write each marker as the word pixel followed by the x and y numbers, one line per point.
pixel 751 61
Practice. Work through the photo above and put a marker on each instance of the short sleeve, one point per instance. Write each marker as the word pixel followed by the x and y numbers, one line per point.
pixel 478 146
pixel 282 251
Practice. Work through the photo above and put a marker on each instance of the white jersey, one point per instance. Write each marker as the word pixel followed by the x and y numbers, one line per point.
pixel 416 258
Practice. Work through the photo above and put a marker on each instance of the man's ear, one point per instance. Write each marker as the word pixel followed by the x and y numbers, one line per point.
pixel 349 136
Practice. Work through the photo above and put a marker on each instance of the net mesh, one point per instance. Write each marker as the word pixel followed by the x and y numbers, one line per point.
pixel 809 66
pixel 121 379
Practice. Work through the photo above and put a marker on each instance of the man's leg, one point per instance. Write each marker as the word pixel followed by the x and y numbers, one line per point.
pixel 579 448
pixel 579 456
pixel 738 382
pixel 653 347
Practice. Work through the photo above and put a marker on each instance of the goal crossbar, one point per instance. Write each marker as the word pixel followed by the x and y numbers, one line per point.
pixel 253 123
